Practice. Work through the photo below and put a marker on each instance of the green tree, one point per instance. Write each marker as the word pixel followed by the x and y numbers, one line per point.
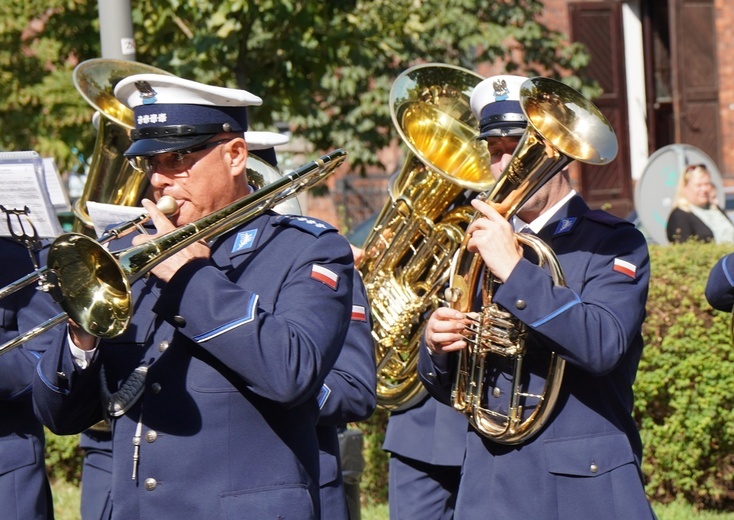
pixel 324 67
pixel 40 109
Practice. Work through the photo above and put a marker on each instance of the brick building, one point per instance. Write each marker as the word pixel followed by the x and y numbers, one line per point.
pixel 667 71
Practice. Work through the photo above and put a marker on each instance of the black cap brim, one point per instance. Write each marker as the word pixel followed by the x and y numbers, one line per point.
pixel 147 147
pixel 510 131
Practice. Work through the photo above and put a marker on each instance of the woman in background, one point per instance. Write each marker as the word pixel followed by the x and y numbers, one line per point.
pixel 696 214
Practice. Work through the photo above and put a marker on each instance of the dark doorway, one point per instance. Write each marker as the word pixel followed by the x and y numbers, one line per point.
pixel 598 25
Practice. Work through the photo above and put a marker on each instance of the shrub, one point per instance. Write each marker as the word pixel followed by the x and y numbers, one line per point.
pixel 683 392
pixel 63 457
pixel 374 480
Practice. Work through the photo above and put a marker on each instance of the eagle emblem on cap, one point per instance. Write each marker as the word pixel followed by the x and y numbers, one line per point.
pixel 501 92
pixel 147 94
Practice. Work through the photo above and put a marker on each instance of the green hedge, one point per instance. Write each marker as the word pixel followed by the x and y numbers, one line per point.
pixel 684 392
pixel 63 457
pixel 685 385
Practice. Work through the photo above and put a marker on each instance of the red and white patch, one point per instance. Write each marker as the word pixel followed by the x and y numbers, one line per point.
pixel 324 275
pixel 359 313
pixel 624 267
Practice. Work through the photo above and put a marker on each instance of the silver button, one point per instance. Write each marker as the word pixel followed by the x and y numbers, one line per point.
pixel 162 346
pixel 179 320
pixel 593 468
pixel 150 484
pixel 155 388
pixel 151 436
pixel 520 304
pixel 496 392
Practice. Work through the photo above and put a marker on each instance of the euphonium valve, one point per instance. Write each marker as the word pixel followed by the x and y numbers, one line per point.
pixel 562 126
pixel 409 250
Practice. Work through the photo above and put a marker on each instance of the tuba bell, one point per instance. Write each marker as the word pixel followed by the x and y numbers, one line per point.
pixel 110 179
pixel 261 173
pixel 408 251
pixel 563 126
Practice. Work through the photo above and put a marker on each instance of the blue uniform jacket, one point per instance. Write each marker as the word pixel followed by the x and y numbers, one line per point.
pixel 440 428
pixel 348 395
pixel 720 284
pixel 24 489
pixel 237 348
pixel 585 462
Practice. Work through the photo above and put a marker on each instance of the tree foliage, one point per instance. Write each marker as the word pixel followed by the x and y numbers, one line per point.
pixel 41 42
pixel 324 67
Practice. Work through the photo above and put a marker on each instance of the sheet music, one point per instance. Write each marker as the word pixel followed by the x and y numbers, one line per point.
pixel 56 190
pixel 106 215
pixel 23 186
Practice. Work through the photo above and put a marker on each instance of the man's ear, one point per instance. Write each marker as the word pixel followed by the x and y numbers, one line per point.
pixel 237 154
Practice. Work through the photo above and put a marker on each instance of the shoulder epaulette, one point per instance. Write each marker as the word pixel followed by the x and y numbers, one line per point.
pixel 308 224
pixel 598 215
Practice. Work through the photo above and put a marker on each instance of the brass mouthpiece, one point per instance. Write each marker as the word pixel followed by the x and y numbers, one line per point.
pixel 167 205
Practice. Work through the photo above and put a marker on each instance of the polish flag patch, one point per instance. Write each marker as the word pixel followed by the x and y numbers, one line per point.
pixel 325 276
pixel 624 267
pixel 359 313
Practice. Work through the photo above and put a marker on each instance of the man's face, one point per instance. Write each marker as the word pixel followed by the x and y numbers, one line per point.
pixel 202 182
pixel 500 151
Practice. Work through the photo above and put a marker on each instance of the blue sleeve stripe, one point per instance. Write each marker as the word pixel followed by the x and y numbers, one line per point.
pixel 49 383
pixel 726 270
pixel 249 316
pixel 555 313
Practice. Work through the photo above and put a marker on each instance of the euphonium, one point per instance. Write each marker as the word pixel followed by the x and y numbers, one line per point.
pixel 110 179
pixel 409 250
pixel 562 126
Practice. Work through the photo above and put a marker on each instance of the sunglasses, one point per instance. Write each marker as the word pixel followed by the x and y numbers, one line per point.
pixel 169 162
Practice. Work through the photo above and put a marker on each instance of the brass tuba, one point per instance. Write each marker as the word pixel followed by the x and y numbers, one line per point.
pixel 562 126
pixel 261 173
pixel 110 179
pixel 409 250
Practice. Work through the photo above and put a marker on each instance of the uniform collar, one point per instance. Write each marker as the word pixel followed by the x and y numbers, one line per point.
pixel 565 218
pixel 540 222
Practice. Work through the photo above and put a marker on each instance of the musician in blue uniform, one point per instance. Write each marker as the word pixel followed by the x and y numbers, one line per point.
pixel 96 442
pixel 348 395
pixel 25 493
pixel 212 388
pixel 720 284
pixel 585 461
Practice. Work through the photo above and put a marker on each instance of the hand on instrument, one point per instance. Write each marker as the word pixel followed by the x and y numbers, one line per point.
pixel 166 269
pixel 444 329
pixel 358 253
pixel 493 238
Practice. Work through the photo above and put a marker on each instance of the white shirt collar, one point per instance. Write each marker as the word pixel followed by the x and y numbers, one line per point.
pixel 537 224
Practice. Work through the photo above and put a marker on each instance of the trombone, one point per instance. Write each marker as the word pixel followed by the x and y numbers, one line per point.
pixel 92 285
